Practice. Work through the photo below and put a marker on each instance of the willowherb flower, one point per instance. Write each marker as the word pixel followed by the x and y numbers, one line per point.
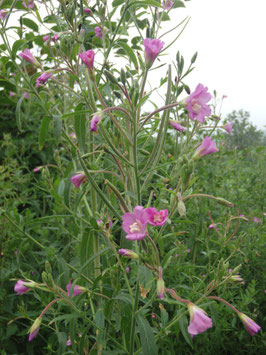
pixel 207 147
pixel 46 38
pixel 73 135
pixel 228 127
pixel 196 103
pixel 211 226
pixel 38 168
pixel 155 217
pixel 236 278
pixel 167 4
pixel 135 224
pixel 26 55
pixel 77 290
pixel 98 32
pixel 26 95
pixel 94 123
pixel 78 179
pixel 88 58
pixel 256 220
pixel 11 94
pixel 2 14
pixel 28 4
pixel 22 287
pixel 152 49
pixel 35 328
pixel 243 217
pixel 128 253
pixel 249 324
pixel 42 79
pixel 177 126
pixel 55 37
pixel 68 343
pixel 87 11
pixel 199 321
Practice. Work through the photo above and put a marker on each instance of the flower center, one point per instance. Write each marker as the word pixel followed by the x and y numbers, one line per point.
pixel 157 217
pixel 196 107
pixel 135 227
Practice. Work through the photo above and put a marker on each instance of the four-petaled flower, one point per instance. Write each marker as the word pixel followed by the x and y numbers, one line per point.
pixel 42 79
pixel 29 4
pixel 98 32
pixel 2 14
pixel 88 58
pixel 196 103
pixel 87 11
pixel 167 4
pixel 35 328
pixel 78 179
pixel 77 290
pixel 46 38
pixel 128 253
pixel 152 48
pixel 228 127
pixel 94 123
pixel 249 324
pixel 155 217
pixel 207 147
pixel 199 321
pixel 23 287
pixel 135 224
pixel 29 57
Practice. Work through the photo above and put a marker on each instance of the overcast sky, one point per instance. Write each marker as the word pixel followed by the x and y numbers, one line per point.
pixel 230 37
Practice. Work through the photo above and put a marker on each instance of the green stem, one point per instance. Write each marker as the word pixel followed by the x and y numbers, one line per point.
pixel 133 322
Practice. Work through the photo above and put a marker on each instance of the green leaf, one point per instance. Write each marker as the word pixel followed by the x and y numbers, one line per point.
pixel 18 44
pixel 18 112
pixel 7 85
pixel 30 24
pixel 129 52
pixel 80 128
pixel 178 4
pixel 147 338
pixel 146 3
pixel 117 3
pixel 43 131
pixel 183 323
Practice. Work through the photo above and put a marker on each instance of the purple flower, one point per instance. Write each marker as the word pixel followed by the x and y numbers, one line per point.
pixel 87 10
pixel 128 253
pixel 35 170
pixel 73 135
pixel 2 14
pixel 256 220
pixel 28 4
pixel 207 147
pixel 94 123
pixel 88 58
pixel 155 217
pixel 11 94
pixel 228 127
pixel 23 287
pixel 152 48
pixel 167 4
pixel 211 226
pixel 98 32
pixel 196 103
pixel 135 224
pixel 68 343
pixel 78 179
pixel 28 57
pixel 55 37
pixel 77 290
pixel 249 324
pixel 35 328
pixel 26 95
pixel 46 38
pixel 177 126
pixel 243 217
pixel 42 79
pixel 199 321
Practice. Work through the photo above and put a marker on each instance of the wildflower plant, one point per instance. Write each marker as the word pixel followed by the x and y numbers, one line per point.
pixel 126 191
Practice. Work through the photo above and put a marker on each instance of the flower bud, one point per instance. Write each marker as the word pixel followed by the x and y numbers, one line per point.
pixel 111 77
pixel 128 253
pixel 123 76
pixel 35 328
pixel 160 284
pixel 222 201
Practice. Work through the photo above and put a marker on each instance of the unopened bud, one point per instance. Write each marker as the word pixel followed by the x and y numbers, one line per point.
pixel 160 284
pixel 128 253
pixel 123 76
pixel 48 268
pixel 111 77
pixel 224 202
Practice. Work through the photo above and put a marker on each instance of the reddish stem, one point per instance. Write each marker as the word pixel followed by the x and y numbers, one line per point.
pixel 224 301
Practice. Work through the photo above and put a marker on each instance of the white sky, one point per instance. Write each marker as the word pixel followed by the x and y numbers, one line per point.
pixel 230 37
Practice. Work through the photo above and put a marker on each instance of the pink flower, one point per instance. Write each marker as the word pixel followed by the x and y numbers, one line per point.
pixel 98 32
pixel 28 4
pixel 176 126
pixel 68 343
pixel 35 170
pixel 11 94
pixel 256 220
pixel 196 103
pixel 154 316
pixel 228 127
pixel 167 4
pixel 230 270
pixel 88 58
pixel 128 253
pixel 28 57
pixel 135 224
pixel 223 143
pixel 211 226
pixel 94 123
pixel 78 179
pixel 127 269
pixel 26 95
pixel 155 217
pixel 207 147
pixel 77 290
pixel 55 37
pixel 87 10
pixel 188 250
pixel 43 78
pixel 199 321
pixel 2 14
pixel 46 38
pixel 152 48
pixel 243 217
pixel 73 135
pixel 35 328
pixel 21 287
pixel 250 325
